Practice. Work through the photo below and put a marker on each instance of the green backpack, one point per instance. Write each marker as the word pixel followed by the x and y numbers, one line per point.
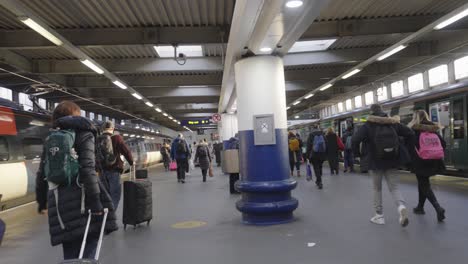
pixel 61 165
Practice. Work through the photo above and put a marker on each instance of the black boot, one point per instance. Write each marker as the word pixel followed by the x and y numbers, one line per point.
pixel 419 210
pixel 440 214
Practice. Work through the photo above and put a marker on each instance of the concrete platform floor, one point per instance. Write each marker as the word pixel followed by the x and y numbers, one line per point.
pixel 332 226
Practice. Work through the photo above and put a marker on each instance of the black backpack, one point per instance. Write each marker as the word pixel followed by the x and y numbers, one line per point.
pixel 105 150
pixel 181 147
pixel 387 143
pixel 202 152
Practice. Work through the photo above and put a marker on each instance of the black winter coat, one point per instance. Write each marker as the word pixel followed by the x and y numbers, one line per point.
pixel 70 197
pixel 332 147
pixel 203 161
pixel 310 143
pixel 419 166
pixel 365 134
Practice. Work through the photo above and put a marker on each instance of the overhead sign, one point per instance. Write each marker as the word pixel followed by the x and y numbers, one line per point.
pixel 216 118
pixel 195 122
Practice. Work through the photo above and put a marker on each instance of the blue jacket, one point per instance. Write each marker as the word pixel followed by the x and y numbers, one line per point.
pixel 175 155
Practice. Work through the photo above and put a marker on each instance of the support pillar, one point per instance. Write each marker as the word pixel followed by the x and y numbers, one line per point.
pixel 227 128
pixel 265 182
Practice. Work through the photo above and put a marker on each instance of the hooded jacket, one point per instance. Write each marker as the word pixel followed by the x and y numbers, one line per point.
pixel 69 207
pixel 205 161
pixel 365 134
pixel 419 166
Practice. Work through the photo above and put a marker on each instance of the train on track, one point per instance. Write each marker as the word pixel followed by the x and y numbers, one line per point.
pixel 22 134
pixel 446 105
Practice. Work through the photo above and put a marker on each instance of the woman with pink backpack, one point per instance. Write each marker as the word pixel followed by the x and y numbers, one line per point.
pixel 427 159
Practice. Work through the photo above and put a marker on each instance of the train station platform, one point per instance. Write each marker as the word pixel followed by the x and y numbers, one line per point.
pixel 197 223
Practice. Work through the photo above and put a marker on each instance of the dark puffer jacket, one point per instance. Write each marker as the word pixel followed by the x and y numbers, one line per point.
pixel 69 197
pixel 365 134
pixel 419 166
pixel 204 161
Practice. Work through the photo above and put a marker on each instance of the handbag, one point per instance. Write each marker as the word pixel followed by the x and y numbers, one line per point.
pixel 308 172
pixel 341 146
pixel 210 171
pixel 173 166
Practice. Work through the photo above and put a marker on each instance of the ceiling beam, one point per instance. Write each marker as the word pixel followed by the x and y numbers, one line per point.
pixel 155 93
pixel 24 39
pixel 16 61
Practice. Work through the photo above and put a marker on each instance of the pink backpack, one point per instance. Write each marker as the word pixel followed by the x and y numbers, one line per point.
pixel 430 147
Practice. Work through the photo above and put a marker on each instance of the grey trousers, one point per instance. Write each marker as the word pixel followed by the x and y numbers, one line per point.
pixel 392 183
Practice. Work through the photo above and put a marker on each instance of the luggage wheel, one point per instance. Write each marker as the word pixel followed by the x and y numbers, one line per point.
pixel 125 227
pixel 148 223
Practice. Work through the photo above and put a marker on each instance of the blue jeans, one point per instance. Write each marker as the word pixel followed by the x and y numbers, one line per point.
pixel 112 179
pixel 348 159
pixel 71 250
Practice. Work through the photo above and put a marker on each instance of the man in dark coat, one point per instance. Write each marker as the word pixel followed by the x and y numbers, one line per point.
pixel 316 157
pixel 181 155
pixel 218 147
pixel 381 167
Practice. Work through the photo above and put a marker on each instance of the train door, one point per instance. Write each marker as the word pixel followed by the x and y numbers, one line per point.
pixel 459 145
pixel 440 113
pixel 343 127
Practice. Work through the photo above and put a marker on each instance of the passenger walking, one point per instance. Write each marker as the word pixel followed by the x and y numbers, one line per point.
pixel 316 153
pixel 180 152
pixel 428 159
pixel 233 143
pixel 295 156
pixel 166 156
pixel 218 147
pixel 202 155
pixel 382 136
pixel 348 152
pixel 111 171
pixel 334 146
pixel 67 184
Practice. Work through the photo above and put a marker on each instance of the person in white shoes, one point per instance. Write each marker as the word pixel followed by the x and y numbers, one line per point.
pixel 382 135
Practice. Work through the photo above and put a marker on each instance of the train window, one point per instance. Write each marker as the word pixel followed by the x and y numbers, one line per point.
pixel 25 102
pixel 415 83
pixel 458 120
pixel 6 93
pixel 4 151
pixel 99 117
pixel 438 75
pixel 83 113
pixel 358 101
pixel 42 103
pixel 397 89
pixel 340 107
pixel 91 115
pixel 32 148
pixel 382 94
pixel 349 105
pixel 461 68
pixel 369 97
pixel 55 105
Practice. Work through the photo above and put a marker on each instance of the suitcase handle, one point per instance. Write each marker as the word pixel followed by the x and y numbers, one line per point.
pixel 133 173
pixel 101 235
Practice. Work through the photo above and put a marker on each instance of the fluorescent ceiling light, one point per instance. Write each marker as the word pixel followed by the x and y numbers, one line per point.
pixel 309 96
pixel 390 53
pixel 178 122
pixel 39 29
pixel 297 102
pixel 297 117
pixel 265 49
pixel 351 73
pixel 158 109
pixel 287 108
pixel 92 66
pixel 137 96
pixel 451 20
pixel 311 45
pixel 119 84
pixel 188 50
pixel 175 121
pixel 165 114
pixel 326 87
pixel 170 117
pixel 132 135
pixel 149 104
pixel 294 4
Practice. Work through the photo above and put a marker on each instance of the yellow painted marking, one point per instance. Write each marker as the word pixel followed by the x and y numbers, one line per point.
pixel 188 224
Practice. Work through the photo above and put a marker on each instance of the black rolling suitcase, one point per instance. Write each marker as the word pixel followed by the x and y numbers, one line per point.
pixel 138 201
pixel 141 174
pixel 80 259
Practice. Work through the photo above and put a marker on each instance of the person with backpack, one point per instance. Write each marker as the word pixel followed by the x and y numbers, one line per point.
pixel 295 156
pixel 317 153
pixel 111 148
pixel 334 146
pixel 165 153
pixel 180 152
pixel 427 153
pixel 202 155
pixel 67 187
pixel 382 135
pixel 348 152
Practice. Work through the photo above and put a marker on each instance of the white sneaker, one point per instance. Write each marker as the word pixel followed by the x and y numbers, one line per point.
pixel 378 219
pixel 403 215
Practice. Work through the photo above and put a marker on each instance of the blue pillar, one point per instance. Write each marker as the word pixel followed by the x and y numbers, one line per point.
pixel 265 181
